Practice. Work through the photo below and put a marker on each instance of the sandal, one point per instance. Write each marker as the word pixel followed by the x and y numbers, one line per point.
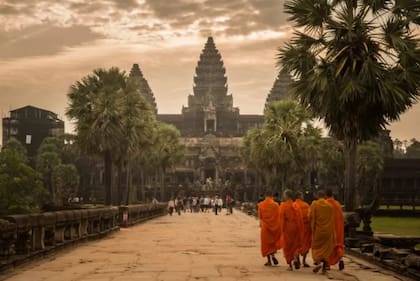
pixel 316 269
pixel 341 265
pixel 296 263
pixel 275 261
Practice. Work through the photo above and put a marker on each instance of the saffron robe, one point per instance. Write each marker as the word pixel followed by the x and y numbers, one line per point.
pixel 321 215
pixel 307 232
pixel 268 212
pixel 338 251
pixel 291 229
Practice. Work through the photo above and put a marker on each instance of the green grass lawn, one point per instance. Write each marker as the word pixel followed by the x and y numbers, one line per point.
pixel 394 207
pixel 396 226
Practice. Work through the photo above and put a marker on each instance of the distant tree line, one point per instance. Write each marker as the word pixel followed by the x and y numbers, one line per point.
pixel 289 152
pixel 407 149
pixel 115 123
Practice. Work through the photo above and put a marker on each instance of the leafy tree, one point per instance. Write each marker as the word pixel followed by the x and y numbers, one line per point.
pixel 370 165
pixel 21 188
pixel 45 164
pixel 65 183
pixel 399 150
pixel 275 150
pixel 356 65
pixel 95 104
pixel 331 169
pixel 18 148
pixel 413 150
pixel 138 122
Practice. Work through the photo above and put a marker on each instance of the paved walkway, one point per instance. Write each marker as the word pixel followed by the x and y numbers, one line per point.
pixel 188 247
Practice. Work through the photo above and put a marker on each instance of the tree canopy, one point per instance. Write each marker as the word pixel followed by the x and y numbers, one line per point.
pixel 355 64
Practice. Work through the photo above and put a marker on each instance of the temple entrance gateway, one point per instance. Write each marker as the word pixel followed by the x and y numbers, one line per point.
pixel 210 173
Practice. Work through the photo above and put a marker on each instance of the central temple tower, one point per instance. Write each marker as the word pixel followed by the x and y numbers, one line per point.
pixel 210 109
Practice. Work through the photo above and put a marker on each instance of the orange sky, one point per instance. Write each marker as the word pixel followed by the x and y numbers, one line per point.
pixel 46 45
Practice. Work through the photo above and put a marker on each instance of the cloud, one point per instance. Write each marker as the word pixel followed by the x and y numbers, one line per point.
pixel 45 39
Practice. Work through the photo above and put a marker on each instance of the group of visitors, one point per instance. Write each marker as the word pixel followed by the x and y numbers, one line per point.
pixel 200 204
pixel 295 227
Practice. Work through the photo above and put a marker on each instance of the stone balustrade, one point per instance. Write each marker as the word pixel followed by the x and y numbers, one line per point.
pixel 25 236
pixel 132 214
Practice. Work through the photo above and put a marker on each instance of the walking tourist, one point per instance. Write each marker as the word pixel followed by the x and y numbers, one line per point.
pixel 171 206
pixel 178 205
pixel 229 205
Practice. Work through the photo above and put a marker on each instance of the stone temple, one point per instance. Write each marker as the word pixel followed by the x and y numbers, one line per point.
pixel 212 130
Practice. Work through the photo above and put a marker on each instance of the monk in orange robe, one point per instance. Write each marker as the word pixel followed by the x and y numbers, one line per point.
pixel 268 212
pixel 321 215
pixel 291 226
pixel 338 252
pixel 307 232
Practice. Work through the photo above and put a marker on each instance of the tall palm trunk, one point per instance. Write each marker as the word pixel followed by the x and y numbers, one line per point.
pixel 127 184
pixel 350 173
pixel 108 177
pixel 120 187
pixel 142 185
pixel 162 184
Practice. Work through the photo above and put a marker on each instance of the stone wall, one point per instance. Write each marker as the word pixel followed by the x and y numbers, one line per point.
pixel 24 237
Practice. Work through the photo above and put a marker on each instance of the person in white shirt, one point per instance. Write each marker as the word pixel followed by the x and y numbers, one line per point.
pixel 171 206
pixel 206 203
pixel 218 203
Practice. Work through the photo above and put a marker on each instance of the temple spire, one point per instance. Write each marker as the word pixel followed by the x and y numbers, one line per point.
pixel 144 87
pixel 210 81
pixel 280 89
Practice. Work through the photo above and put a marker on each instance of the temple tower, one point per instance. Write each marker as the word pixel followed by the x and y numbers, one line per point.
pixel 210 109
pixel 280 89
pixel 145 89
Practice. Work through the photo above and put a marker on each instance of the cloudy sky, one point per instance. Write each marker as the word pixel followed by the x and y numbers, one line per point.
pixel 46 45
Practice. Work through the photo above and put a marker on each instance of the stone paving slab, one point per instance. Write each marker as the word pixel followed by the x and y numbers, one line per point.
pixel 190 247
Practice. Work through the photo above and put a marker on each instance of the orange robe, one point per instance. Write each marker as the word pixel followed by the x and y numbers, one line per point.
pixel 307 233
pixel 321 215
pixel 268 212
pixel 339 231
pixel 292 229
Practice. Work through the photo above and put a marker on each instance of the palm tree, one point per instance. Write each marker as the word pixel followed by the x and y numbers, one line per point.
pixel 95 103
pixel 137 121
pixel 168 151
pixel 274 149
pixel 356 65
pixel 284 124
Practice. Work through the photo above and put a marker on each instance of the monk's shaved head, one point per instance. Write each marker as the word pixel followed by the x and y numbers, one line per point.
pixel 268 193
pixel 321 194
pixel 288 194
pixel 299 195
pixel 328 192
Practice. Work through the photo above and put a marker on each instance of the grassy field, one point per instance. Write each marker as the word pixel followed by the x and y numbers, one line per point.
pixel 396 226
pixel 393 207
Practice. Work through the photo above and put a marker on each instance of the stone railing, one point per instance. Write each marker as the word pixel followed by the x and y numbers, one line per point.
pixel 25 236
pixel 133 214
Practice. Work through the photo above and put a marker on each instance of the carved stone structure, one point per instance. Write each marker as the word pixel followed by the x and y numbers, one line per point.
pixel 210 109
pixel 280 89
pixel 212 129
pixel 144 87
pixel 29 235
